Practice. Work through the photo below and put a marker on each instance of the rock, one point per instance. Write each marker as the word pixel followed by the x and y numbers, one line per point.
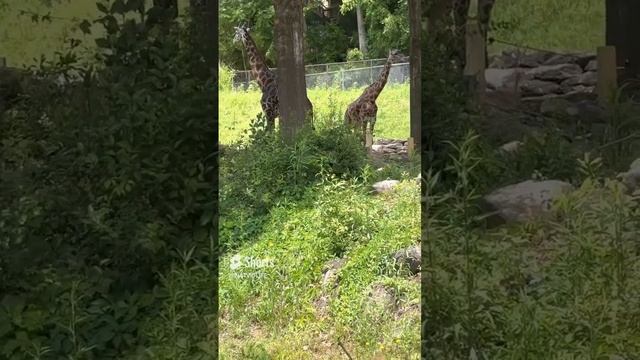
pixel 554 105
pixel 631 178
pixel 501 78
pixel 523 201
pixel 580 93
pixel 589 78
pixel 382 297
pixel 377 147
pixel 592 65
pixel 538 87
pixel 584 59
pixel 587 110
pixel 409 259
pixel 503 61
pixel 555 72
pixel 558 59
pixel 533 60
pixel 511 147
pixel 385 185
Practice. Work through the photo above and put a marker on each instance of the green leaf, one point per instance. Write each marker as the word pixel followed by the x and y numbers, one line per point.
pixel 103 43
pixel 102 8
pixel 85 27
pixel 118 7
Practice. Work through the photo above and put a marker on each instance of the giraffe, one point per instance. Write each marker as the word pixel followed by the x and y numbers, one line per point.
pixel 265 77
pixel 364 109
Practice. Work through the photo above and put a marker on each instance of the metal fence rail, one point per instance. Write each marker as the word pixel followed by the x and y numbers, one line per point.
pixel 344 75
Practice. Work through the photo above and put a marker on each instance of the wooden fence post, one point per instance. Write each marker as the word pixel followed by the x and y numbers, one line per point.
pixel 607 73
pixel 475 61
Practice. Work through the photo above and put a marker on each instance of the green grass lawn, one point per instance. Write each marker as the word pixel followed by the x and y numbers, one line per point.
pixel 567 25
pixel 237 108
pixel 274 310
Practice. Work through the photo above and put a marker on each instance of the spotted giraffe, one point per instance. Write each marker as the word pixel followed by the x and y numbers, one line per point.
pixel 264 76
pixel 364 110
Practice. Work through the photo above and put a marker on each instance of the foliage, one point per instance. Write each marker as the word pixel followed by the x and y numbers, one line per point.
pixel 103 178
pixel 387 24
pixel 225 77
pixel 354 55
pixel 507 292
pixel 264 169
pixel 444 99
pixel 334 218
pixel 326 40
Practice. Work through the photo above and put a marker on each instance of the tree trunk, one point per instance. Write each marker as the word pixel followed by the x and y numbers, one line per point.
pixel 362 33
pixel 204 15
pixel 204 40
pixel 292 90
pixel 415 101
pixel 333 9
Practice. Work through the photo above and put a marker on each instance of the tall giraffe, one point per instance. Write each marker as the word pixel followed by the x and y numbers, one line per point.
pixel 364 109
pixel 264 76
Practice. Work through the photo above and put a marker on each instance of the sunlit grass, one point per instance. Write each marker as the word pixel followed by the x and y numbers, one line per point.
pixel 237 108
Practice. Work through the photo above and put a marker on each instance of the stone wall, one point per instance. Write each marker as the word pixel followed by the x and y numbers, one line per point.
pixel 542 74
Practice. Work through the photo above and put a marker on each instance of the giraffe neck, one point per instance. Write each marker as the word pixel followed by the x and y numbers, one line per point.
pixel 376 88
pixel 259 69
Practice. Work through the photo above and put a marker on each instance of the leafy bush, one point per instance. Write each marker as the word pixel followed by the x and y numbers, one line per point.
pixel 225 77
pixel 104 178
pixel 264 169
pixel 355 55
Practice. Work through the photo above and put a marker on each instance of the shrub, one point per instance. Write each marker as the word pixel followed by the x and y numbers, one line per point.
pixel 225 77
pixel 263 168
pixel 102 178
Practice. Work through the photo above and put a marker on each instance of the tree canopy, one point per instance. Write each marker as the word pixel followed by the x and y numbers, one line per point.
pixel 328 39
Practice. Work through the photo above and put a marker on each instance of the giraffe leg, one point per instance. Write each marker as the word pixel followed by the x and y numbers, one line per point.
pixel 270 111
pixel 364 132
pixel 373 123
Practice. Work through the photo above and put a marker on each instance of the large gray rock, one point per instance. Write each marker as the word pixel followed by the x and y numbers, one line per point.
pixel 554 106
pixel 382 297
pixel 538 87
pixel 501 78
pixel 589 78
pixel 631 178
pixel 511 147
pixel 591 66
pixel 558 59
pixel 523 201
pixel 555 72
pixel 409 258
pixel 534 59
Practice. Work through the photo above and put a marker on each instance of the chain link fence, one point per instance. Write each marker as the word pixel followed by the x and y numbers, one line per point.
pixel 345 75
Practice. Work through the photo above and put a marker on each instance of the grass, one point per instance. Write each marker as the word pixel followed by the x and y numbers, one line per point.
pixel 568 25
pixel 238 107
pixel 274 307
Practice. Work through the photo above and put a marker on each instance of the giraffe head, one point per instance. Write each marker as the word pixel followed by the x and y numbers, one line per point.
pixel 395 56
pixel 242 33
